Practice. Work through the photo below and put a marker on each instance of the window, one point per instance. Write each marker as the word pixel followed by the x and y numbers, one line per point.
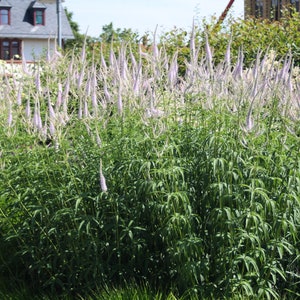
pixel 259 8
pixel 5 50
pixel 296 4
pixel 10 49
pixel 39 17
pixel 276 9
pixel 4 16
pixel 15 49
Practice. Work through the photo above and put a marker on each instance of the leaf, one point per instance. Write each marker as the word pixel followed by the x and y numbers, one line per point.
pixel 78 201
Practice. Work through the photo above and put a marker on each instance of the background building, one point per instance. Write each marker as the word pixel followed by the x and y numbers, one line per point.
pixel 29 28
pixel 268 9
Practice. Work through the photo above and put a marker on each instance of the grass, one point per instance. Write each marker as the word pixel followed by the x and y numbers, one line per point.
pixel 115 173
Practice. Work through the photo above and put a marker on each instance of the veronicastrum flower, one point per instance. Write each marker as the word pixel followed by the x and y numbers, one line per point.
pixel 102 179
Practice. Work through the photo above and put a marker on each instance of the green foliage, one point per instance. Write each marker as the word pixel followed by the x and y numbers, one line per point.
pixel 115 172
pixel 193 209
pixel 176 42
pixel 253 35
pixel 78 37
pixel 110 34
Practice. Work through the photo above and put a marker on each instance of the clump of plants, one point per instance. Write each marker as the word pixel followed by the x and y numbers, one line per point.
pixel 126 171
pixel 254 34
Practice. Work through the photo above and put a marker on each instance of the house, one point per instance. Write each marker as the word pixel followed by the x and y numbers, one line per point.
pixel 268 9
pixel 28 28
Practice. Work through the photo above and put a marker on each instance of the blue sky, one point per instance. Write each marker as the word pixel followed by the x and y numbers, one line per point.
pixel 144 15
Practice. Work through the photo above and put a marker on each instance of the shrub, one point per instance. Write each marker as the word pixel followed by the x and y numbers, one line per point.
pixel 116 172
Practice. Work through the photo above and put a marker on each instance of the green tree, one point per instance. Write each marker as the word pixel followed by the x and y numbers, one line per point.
pixel 78 37
pixel 110 34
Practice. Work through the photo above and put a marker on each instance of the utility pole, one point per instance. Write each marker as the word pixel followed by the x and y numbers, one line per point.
pixel 225 12
pixel 59 18
pixel 59 34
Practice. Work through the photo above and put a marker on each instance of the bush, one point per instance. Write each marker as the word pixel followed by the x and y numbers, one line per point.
pixel 116 173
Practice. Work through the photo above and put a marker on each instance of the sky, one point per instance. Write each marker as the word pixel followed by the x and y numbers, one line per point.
pixel 145 15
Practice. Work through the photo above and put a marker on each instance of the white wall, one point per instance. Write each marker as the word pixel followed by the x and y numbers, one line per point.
pixel 34 48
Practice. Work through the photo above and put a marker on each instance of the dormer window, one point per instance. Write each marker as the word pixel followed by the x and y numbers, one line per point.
pixel 39 17
pixel 38 13
pixel 4 12
pixel 4 16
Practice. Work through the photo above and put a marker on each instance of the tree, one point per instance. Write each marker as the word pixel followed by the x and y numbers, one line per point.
pixel 110 34
pixel 78 37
